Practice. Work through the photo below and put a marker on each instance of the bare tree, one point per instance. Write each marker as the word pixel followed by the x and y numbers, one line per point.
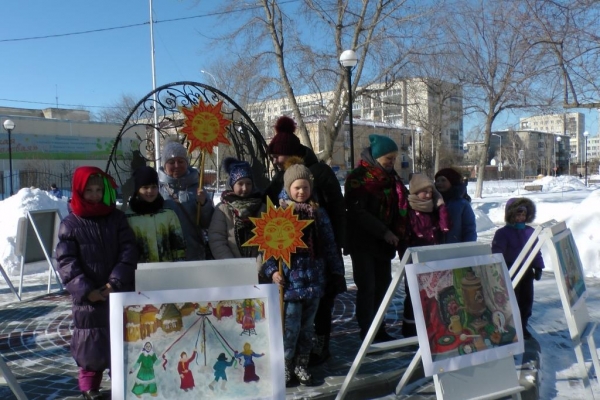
pixel 568 30
pixel 496 62
pixel 271 34
pixel 118 111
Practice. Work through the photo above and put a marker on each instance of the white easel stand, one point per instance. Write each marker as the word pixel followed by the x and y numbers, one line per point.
pixel 11 381
pixel 578 318
pixel 9 283
pixel 490 380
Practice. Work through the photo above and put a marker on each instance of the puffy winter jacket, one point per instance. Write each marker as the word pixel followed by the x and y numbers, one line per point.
pixel 92 252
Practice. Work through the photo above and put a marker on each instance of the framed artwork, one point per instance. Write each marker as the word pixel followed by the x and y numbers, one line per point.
pixel 218 343
pixel 570 270
pixel 466 312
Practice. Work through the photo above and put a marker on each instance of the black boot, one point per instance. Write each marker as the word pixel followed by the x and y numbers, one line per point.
pixel 320 351
pixel 289 368
pixel 301 370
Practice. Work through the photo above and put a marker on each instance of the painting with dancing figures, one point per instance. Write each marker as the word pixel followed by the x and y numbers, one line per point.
pixel 570 271
pixel 465 310
pixel 218 343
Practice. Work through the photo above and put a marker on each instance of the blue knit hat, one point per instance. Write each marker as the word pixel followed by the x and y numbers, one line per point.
pixel 237 170
pixel 382 145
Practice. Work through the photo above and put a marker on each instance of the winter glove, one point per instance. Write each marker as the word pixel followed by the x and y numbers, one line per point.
pixel 537 274
pixel 336 285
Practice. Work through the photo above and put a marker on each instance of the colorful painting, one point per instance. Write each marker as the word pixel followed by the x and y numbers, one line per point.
pixel 218 343
pixel 570 271
pixel 466 312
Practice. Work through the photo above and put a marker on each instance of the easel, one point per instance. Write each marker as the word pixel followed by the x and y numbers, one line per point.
pixel 578 319
pixel 491 380
pixel 37 237
pixel 11 381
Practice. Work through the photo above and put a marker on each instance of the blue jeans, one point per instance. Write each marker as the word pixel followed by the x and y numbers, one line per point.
pixel 298 326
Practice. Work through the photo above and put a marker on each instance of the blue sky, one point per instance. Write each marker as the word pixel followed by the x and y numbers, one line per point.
pixel 94 69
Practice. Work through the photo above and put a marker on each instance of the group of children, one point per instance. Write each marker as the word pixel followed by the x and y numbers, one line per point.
pixel 100 246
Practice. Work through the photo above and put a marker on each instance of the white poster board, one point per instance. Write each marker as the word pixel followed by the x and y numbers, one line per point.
pixel 466 312
pixel 196 274
pixel 154 329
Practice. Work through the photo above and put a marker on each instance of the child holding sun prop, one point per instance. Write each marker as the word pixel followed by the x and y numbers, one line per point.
pixel 304 273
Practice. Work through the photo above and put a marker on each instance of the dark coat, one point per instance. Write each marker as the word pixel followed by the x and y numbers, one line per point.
pixel 510 239
pixel 463 226
pixel 307 276
pixel 364 208
pixel 328 192
pixel 90 253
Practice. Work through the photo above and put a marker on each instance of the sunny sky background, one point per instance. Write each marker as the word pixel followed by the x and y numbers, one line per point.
pixel 93 70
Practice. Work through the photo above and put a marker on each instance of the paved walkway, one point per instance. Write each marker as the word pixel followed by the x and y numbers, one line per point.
pixel 35 335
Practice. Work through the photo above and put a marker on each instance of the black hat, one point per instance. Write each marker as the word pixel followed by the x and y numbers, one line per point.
pixel 144 176
pixel 222 357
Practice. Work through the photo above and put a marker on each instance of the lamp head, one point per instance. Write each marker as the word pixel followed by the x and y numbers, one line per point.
pixel 348 59
pixel 586 133
pixel 9 125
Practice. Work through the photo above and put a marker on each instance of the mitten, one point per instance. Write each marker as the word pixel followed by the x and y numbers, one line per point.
pixel 537 274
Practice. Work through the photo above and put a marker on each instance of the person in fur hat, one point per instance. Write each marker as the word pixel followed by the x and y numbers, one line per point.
pixel 158 233
pixel 304 280
pixel 509 241
pixel 428 221
pixel 230 226
pixel 463 227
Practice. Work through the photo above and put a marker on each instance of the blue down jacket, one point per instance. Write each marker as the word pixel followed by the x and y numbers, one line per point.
pixel 90 253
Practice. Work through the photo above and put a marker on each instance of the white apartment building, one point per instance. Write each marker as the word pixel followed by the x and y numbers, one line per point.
pixel 411 103
pixel 569 124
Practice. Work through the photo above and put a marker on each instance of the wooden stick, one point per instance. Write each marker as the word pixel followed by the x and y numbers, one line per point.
pixel 281 296
pixel 200 186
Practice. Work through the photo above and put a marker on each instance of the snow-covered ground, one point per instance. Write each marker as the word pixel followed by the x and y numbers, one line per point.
pixel 561 199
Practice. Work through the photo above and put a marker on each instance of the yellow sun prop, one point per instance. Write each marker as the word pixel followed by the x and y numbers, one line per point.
pixel 278 233
pixel 205 126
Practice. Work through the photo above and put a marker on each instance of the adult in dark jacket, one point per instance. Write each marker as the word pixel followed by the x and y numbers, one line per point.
pixel 376 209
pixel 463 226
pixel 510 241
pixel 328 193
pixel 96 255
pixel 180 187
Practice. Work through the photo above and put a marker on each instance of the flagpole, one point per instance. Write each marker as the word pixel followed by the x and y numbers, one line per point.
pixel 156 131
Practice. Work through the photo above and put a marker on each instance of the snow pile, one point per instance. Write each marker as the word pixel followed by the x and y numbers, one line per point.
pixel 584 223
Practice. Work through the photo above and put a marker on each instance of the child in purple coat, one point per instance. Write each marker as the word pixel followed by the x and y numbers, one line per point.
pixel 510 240
pixel 96 256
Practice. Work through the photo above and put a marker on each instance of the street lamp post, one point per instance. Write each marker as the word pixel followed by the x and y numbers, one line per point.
pixel 9 125
pixel 420 132
pixel 500 163
pixel 348 60
pixel 585 134
pixel 557 157
pixel 211 75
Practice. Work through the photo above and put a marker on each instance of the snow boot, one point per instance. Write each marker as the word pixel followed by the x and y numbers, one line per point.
pixel 301 370
pixel 288 372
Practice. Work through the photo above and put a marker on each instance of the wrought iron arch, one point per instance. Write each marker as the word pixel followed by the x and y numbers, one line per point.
pixel 135 143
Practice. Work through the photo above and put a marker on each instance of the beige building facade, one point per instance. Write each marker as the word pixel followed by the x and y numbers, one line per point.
pixel 47 145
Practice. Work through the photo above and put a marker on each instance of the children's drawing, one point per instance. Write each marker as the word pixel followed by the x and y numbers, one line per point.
pixel 570 268
pixel 197 343
pixel 465 310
